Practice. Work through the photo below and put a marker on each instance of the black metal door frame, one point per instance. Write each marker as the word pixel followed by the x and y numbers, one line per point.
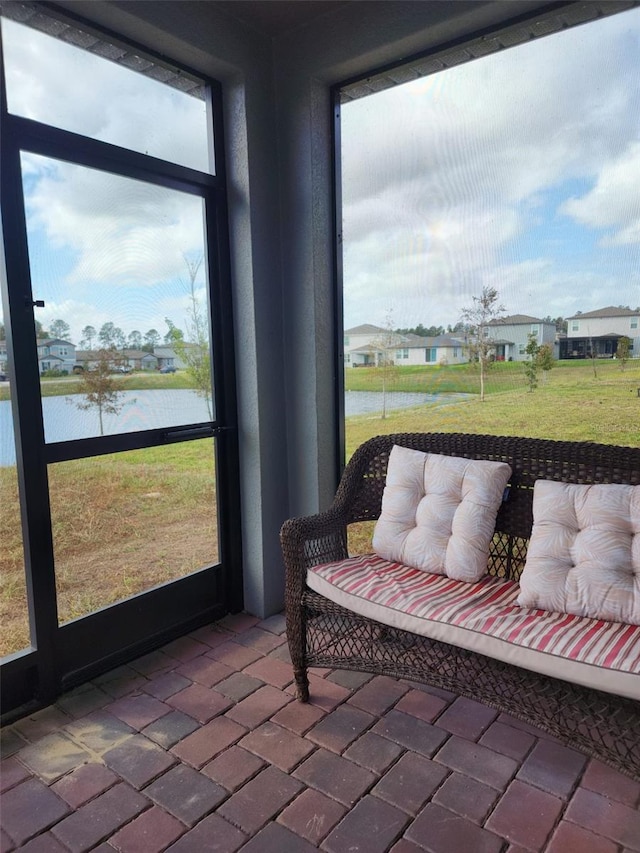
pixel 62 656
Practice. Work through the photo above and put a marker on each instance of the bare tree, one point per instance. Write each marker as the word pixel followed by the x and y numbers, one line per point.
pixel 193 348
pixel 384 345
pixel 478 319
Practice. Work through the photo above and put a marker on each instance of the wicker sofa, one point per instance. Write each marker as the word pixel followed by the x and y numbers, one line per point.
pixel 326 627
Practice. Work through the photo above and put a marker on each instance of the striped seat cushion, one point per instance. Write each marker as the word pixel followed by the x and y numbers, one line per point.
pixel 484 617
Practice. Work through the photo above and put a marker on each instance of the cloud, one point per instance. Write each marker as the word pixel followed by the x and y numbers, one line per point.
pixel 59 84
pixel 457 180
pixel 118 231
pixel 614 201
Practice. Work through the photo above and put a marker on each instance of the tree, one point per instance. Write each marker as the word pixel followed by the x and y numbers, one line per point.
pixel 545 359
pixel 111 336
pixel 173 332
pixel 194 351
pixel 99 388
pixel 89 335
pixel 531 365
pixel 3 333
pixel 134 339
pixel 151 340
pixel 478 317
pixel 119 338
pixel 60 329
pixel 592 354
pixel 422 331
pixel 623 350
pixel 384 344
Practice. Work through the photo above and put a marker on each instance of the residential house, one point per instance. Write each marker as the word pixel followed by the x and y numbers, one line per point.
pixel 128 358
pixel 139 359
pixel 598 332
pixel 167 356
pixel 3 357
pixel 442 350
pixel 56 354
pixel 365 345
pixel 510 336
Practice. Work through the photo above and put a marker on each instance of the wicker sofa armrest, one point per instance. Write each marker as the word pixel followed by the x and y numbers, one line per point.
pixel 312 540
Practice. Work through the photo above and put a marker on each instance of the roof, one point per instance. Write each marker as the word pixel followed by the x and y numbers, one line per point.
pixel 367 348
pixel 137 353
pixel 440 341
pixel 365 329
pixel 611 311
pixel 43 342
pixel 517 320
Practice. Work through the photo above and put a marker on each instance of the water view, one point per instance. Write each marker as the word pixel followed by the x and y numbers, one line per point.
pixel 141 410
pixel 365 402
pixel 153 409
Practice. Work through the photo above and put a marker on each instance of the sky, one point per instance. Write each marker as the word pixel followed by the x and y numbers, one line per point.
pixel 104 248
pixel 519 171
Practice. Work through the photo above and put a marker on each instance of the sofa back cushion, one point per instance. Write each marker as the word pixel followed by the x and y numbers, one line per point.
pixel 584 552
pixel 439 512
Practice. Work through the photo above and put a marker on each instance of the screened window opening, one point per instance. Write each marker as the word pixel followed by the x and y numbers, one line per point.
pixel 491 208
pixel 159 111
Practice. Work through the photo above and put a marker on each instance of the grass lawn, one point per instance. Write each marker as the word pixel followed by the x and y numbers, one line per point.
pixel 122 523
pixel 570 403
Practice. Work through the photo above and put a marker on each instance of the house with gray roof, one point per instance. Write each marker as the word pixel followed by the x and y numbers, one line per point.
pixel 598 333
pixel 367 345
pixel 55 354
pixel 442 350
pixel 510 336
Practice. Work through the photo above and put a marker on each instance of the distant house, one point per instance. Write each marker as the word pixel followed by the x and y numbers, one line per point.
pixel 3 357
pixel 166 357
pixel 442 349
pixel 139 359
pixel 368 345
pixel 598 332
pixel 510 336
pixel 56 354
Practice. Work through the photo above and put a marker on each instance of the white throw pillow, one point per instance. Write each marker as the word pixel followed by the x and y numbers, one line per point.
pixel 584 552
pixel 439 512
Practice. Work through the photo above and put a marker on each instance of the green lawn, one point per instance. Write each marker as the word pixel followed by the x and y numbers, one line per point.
pixel 569 403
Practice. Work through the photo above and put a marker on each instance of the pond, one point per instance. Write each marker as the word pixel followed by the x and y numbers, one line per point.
pixel 155 409
pixel 365 402
pixel 141 410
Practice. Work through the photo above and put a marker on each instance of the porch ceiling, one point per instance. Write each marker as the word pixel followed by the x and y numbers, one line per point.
pixel 277 17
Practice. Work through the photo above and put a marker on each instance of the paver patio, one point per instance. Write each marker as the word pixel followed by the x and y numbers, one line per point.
pixel 202 747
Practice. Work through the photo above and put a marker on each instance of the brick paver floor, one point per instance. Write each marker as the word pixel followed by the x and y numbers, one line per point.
pixel 202 746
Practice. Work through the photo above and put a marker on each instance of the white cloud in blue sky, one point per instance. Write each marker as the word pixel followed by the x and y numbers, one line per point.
pixel 520 170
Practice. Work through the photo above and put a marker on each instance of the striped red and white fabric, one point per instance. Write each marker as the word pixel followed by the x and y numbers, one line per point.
pixel 485 617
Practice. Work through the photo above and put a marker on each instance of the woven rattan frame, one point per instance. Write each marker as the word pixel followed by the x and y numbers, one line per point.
pixel 321 633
